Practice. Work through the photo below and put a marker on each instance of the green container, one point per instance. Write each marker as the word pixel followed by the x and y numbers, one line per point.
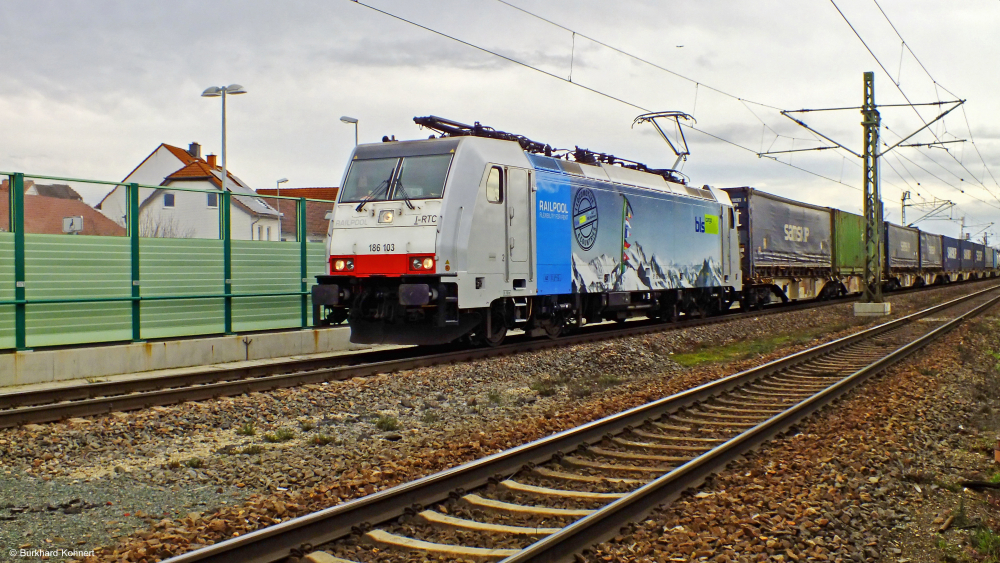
pixel 848 243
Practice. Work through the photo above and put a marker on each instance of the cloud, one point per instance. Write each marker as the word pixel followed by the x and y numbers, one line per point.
pixel 89 89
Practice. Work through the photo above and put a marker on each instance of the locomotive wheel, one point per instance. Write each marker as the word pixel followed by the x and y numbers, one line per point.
pixel 498 332
pixel 496 339
pixel 553 327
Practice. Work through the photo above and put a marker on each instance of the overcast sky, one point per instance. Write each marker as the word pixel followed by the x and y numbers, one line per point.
pixel 89 89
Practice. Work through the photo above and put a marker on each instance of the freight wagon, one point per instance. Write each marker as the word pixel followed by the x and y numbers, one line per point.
pixel 785 248
pixel 848 250
pixel 967 254
pixel 902 257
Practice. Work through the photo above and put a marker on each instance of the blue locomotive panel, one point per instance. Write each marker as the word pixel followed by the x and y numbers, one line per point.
pixel 595 236
pixel 627 239
pixel 552 231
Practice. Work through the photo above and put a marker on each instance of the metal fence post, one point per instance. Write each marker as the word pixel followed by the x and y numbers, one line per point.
pixel 17 227
pixel 303 259
pixel 132 191
pixel 227 256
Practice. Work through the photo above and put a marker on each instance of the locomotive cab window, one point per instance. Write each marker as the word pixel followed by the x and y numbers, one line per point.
pixel 396 178
pixel 369 179
pixel 494 185
pixel 732 219
pixel 421 177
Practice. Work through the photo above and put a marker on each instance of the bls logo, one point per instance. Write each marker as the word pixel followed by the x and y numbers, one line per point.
pixel 699 225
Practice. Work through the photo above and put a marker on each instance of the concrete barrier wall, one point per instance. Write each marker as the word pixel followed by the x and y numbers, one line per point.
pixel 20 368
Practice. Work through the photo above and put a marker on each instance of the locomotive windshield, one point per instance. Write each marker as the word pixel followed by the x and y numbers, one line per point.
pixel 397 179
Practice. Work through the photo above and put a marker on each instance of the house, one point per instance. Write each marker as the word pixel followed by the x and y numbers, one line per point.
pixel 61 191
pixel 317 222
pixel 45 214
pixel 182 214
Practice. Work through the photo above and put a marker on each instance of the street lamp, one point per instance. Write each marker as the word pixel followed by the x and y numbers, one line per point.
pixel 278 187
pixel 354 120
pixel 215 92
pixel 225 224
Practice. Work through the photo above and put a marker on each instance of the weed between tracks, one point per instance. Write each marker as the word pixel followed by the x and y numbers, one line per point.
pixel 323 439
pixel 743 350
pixel 987 542
pixel 386 423
pixel 494 397
pixel 280 435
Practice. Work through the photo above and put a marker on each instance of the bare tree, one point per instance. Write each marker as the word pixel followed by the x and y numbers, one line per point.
pixel 160 226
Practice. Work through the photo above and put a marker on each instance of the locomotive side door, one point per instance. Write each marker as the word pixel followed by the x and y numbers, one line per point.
pixel 727 224
pixel 518 226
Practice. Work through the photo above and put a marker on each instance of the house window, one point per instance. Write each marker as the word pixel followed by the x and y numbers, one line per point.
pixel 168 200
pixel 260 231
pixel 269 233
pixel 213 200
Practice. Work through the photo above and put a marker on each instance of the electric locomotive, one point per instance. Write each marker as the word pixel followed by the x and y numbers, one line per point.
pixel 478 232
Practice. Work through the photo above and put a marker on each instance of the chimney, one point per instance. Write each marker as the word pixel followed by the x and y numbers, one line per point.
pixel 194 149
pixel 211 160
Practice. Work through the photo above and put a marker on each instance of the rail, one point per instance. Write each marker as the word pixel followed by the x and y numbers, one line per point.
pixel 278 541
pixel 88 399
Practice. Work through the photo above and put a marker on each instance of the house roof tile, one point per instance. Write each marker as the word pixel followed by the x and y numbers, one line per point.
pixel 316 221
pixel 329 194
pixel 45 215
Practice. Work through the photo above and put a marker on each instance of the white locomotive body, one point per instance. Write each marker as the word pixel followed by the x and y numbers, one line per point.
pixel 469 236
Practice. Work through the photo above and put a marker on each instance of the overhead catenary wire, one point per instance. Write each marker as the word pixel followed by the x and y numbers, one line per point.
pixel 949 171
pixel 695 82
pixel 945 182
pixel 631 56
pixel 900 89
pixel 500 55
pixel 598 92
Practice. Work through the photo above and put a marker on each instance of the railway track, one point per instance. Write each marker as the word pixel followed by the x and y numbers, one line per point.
pixel 90 399
pixel 550 499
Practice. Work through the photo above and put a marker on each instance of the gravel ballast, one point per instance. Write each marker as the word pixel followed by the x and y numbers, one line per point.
pixel 183 476
pixel 883 476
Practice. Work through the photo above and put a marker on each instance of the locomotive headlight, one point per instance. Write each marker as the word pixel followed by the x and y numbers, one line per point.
pixel 415 264
pixel 428 263
pixel 339 265
pixel 386 216
pixel 350 264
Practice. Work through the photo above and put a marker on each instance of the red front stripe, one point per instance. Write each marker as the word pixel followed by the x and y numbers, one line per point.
pixel 379 264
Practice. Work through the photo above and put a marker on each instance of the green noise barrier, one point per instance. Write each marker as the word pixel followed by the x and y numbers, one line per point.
pixel 64 289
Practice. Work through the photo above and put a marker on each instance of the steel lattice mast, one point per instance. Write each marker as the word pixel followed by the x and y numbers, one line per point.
pixel 873 199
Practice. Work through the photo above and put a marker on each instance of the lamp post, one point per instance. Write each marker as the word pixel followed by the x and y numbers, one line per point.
pixel 215 92
pixel 353 120
pixel 278 187
pixel 225 225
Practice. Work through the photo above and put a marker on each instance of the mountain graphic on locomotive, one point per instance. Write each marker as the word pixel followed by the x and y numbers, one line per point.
pixel 478 232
